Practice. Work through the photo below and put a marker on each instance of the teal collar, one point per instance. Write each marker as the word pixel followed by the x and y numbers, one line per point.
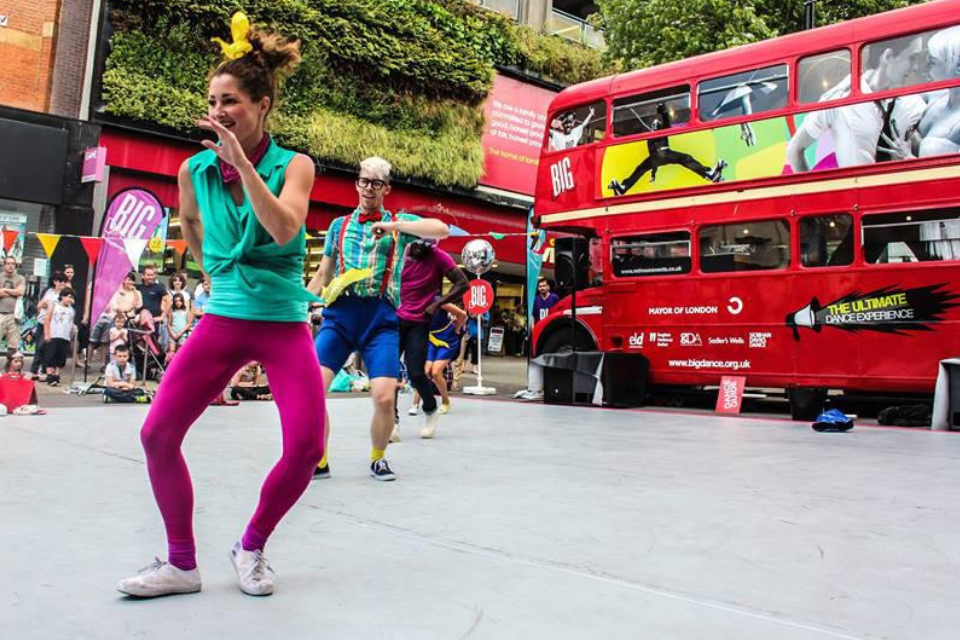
pixel 272 159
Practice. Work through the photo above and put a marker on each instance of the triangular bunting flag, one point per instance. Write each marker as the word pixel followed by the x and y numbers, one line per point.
pixel 92 246
pixel 497 236
pixel 49 242
pixel 134 248
pixel 180 246
pixel 9 237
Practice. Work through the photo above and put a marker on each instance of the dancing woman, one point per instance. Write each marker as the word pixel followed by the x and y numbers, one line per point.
pixel 243 203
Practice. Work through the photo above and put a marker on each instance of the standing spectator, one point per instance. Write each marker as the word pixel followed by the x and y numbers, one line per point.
pixel 178 284
pixel 119 379
pixel 201 300
pixel 179 323
pixel 57 331
pixel 118 334
pixel 544 301
pixel 57 282
pixel 476 337
pixel 156 304
pixel 11 291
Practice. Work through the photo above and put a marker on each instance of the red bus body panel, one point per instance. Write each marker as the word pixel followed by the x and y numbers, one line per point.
pixel 872 327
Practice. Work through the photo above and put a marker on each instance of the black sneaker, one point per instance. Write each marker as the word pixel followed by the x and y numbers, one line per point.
pixel 321 473
pixel 380 470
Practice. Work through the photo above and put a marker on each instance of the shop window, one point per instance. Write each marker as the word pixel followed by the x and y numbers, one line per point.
pixel 745 246
pixel 916 236
pixel 744 93
pixel 824 77
pixel 654 254
pixel 915 59
pixel 826 241
pixel 656 111
pixel 571 128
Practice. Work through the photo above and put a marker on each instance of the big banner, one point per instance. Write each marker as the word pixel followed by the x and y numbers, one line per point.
pixel 133 214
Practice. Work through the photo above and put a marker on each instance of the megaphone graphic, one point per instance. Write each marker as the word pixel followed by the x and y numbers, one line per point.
pixel 805 317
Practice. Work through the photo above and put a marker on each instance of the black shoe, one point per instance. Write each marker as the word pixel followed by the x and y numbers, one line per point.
pixel 321 473
pixel 617 188
pixel 380 470
pixel 717 174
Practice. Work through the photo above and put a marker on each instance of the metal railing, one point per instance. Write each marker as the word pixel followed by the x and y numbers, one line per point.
pixel 573 28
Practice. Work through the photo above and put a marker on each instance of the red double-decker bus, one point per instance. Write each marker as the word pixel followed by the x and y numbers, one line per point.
pixel 787 211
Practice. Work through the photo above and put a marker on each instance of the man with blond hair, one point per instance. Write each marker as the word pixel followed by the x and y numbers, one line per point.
pixel 363 319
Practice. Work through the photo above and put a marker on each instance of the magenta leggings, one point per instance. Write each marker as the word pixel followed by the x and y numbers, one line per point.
pixel 217 348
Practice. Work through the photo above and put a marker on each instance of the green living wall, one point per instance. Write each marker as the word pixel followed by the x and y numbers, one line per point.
pixel 404 79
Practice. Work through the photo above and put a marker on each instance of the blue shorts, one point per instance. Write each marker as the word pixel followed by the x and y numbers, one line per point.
pixel 368 326
pixel 452 352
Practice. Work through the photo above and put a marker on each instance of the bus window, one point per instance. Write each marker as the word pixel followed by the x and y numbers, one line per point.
pixel 818 75
pixel 911 60
pixel 576 127
pixel 654 254
pixel 744 93
pixel 826 241
pixel 745 246
pixel 917 236
pixel 653 111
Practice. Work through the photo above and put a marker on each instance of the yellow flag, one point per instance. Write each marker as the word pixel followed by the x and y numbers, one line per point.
pixel 156 245
pixel 49 242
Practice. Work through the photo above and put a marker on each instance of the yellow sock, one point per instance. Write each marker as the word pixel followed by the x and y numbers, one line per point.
pixel 323 461
pixel 376 454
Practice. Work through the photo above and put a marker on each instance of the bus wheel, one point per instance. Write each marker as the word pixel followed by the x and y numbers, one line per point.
pixel 806 404
pixel 559 341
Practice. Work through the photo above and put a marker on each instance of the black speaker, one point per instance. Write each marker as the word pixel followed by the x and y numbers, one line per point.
pixel 624 379
pixel 571 261
pixel 565 386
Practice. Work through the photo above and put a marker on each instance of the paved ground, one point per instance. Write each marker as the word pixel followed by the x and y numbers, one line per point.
pixel 506 374
pixel 518 521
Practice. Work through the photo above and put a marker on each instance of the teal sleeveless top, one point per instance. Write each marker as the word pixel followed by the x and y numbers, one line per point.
pixel 251 276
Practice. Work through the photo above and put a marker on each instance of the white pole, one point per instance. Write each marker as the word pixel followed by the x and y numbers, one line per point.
pixel 479 351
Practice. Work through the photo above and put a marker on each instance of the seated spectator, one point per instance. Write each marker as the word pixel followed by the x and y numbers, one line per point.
pixel 179 324
pixel 125 301
pixel 58 330
pixel 119 379
pixel 155 307
pixel 14 366
pixel 250 383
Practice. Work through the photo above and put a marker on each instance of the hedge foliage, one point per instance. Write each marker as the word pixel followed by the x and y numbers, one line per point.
pixel 402 78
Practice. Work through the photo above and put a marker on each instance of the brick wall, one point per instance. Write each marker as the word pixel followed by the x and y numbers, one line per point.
pixel 26 52
pixel 73 30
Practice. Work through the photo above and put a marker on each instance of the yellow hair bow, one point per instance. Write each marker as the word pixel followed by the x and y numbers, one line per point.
pixel 239 29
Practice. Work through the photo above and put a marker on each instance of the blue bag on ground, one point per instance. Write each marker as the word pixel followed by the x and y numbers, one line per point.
pixel 833 420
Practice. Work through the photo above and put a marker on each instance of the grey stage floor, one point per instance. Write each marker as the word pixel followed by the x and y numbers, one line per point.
pixel 518 521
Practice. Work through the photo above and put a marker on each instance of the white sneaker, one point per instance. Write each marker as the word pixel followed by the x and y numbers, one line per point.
pixel 430 426
pixel 395 434
pixel 160 579
pixel 252 570
pixel 414 410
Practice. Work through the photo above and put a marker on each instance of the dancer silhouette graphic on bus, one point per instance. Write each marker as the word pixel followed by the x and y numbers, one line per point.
pixel 660 154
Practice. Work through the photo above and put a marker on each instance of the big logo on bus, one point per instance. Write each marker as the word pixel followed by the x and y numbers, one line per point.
pixel 561 175
pixel 889 310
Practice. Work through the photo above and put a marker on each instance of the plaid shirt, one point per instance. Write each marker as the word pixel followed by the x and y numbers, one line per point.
pixel 362 249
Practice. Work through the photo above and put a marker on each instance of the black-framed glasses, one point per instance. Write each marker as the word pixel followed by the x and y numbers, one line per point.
pixel 376 185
